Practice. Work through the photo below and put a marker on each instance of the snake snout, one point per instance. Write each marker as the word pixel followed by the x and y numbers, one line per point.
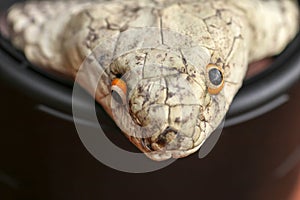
pixel 167 109
pixel 170 143
pixel 165 138
pixel 159 142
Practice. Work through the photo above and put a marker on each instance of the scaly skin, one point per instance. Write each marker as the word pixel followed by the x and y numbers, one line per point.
pixel 161 49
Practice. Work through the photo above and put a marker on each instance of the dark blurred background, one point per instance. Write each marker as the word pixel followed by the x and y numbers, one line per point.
pixel 42 157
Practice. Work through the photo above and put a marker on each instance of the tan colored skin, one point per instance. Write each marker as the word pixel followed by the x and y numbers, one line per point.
pixel 162 50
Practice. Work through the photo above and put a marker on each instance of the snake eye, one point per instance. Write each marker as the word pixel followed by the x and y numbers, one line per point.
pixel 215 79
pixel 119 90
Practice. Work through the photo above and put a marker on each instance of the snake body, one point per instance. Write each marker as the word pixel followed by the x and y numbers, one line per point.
pixel 163 50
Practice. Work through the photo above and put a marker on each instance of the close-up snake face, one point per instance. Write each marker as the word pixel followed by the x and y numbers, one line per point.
pixel 165 71
pixel 166 103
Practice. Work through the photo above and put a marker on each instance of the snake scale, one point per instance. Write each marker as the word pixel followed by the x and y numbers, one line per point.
pixel 166 71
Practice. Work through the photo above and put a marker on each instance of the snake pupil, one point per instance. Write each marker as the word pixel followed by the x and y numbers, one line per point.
pixel 116 96
pixel 215 76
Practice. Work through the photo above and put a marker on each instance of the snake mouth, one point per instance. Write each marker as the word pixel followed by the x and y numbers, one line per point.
pixel 165 138
pixel 159 142
pixel 171 143
pixel 161 155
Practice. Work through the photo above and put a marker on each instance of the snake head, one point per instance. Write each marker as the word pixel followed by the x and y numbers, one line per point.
pixel 172 102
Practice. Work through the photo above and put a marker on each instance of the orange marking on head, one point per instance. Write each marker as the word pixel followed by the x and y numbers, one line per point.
pixel 120 84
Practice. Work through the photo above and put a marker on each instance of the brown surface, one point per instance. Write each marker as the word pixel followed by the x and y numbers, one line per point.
pixel 46 158
pixel 258 67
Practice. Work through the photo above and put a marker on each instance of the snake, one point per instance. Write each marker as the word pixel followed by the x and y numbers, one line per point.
pixel 166 71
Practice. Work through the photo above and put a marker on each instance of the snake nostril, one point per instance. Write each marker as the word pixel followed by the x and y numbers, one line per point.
pixel 166 137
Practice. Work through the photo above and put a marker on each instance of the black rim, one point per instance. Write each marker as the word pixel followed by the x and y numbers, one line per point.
pixel 266 91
